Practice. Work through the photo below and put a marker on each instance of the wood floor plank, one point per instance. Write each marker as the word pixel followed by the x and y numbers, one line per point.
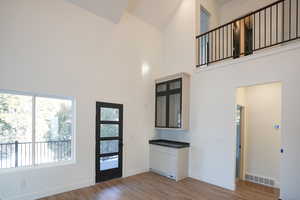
pixel 150 186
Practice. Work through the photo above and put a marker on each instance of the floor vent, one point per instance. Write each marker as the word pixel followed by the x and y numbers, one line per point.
pixel 260 180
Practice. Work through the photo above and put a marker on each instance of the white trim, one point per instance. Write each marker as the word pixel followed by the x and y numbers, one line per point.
pixel 36 167
pixel 33 165
pixel 36 94
pixel 55 190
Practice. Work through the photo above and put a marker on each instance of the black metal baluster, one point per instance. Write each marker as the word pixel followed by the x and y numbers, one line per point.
pixel 276 23
pixel 226 41
pixel 271 16
pixel 199 53
pixel 290 19
pixel 254 31
pixel 259 29
pixel 215 45
pixel 16 153
pixel 223 41
pixel 208 49
pixel 205 49
pixel 282 21
pixel 219 44
pixel 231 39
pixel 244 24
pixel 265 15
pixel 297 18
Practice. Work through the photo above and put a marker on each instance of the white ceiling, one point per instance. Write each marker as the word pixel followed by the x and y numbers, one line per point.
pixel 223 1
pixel 155 12
pixel 109 9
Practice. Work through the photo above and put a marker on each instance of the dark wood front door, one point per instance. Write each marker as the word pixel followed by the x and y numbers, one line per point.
pixel 109 141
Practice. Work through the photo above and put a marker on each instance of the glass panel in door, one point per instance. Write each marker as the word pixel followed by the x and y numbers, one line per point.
pixel 109 146
pixel 109 162
pixel 109 114
pixel 109 130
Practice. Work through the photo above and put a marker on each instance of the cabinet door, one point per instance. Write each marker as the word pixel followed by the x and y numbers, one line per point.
pixel 161 111
pixel 175 110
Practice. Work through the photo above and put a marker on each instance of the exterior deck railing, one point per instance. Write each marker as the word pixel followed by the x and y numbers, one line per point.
pixel 20 154
pixel 271 25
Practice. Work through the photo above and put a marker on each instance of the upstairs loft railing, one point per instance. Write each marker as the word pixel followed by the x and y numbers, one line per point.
pixel 271 25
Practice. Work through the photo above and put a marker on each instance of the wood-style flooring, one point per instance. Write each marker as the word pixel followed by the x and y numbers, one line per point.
pixel 149 186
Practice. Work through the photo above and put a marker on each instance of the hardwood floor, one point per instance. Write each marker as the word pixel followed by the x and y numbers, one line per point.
pixel 149 186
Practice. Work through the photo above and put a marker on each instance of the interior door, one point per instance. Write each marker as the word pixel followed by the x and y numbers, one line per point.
pixel 109 141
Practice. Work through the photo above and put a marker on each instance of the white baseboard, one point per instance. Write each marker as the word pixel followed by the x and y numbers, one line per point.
pixel 54 191
pixel 135 172
pixel 212 182
pixel 67 188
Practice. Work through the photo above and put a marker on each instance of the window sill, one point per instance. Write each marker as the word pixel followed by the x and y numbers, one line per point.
pixel 37 167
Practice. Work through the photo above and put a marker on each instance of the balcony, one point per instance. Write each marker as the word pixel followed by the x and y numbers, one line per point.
pixel 13 155
pixel 267 27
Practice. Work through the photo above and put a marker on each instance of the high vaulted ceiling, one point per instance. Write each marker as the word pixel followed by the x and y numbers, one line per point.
pixel 223 1
pixel 155 12
pixel 109 9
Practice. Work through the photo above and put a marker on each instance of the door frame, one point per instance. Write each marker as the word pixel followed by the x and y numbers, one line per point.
pixel 110 173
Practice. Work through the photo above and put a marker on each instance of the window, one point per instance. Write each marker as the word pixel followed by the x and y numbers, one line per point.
pixel 204 27
pixel 204 20
pixel 35 130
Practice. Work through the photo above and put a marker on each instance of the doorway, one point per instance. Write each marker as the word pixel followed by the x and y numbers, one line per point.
pixel 258 135
pixel 239 143
pixel 109 141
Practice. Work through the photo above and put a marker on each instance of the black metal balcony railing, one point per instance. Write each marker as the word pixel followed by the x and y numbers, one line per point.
pixel 271 25
pixel 20 154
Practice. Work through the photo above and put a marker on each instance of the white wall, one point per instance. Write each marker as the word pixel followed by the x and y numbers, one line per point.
pixel 237 8
pixel 54 47
pixel 262 104
pixel 212 133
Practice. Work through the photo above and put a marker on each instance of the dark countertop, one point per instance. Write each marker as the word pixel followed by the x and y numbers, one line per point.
pixel 169 143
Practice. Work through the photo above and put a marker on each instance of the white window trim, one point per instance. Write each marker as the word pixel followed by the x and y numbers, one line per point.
pixel 73 140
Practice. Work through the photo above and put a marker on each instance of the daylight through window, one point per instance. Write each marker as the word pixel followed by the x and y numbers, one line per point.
pixel 35 130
